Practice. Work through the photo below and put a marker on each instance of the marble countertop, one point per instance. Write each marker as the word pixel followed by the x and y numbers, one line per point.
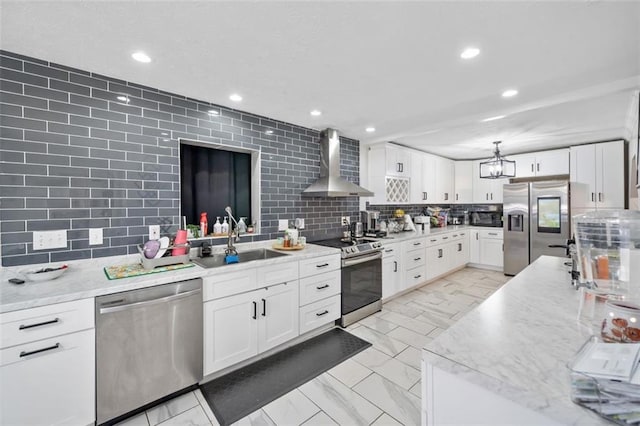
pixel 517 343
pixel 410 235
pixel 86 278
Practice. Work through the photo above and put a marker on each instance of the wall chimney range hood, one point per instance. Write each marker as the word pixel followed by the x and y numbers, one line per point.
pixel 330 184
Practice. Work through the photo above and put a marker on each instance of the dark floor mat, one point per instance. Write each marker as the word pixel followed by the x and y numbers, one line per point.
pixel 241 392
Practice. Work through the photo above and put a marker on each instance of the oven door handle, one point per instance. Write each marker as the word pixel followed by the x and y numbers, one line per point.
pixel 349 262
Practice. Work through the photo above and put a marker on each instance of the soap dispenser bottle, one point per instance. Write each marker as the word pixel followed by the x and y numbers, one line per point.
pixel 225 226
pixel 242 226
pixel 217 228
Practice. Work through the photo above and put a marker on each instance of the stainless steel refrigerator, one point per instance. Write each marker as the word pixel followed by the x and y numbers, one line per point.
pixel 536 216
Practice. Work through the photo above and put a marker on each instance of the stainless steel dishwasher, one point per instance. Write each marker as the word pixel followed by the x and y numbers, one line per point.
pixel 148 346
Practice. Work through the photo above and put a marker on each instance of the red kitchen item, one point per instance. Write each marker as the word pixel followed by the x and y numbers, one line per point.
pixel 181 238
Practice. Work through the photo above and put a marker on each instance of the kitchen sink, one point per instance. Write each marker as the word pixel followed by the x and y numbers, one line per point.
pixel 216 260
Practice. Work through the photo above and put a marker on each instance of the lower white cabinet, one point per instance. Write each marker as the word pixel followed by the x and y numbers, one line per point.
pixel 460 249
pixel 241 326
pixel 491 252
pixel 474 246
pixel 319 313
pixel 391 270
pixel 49 376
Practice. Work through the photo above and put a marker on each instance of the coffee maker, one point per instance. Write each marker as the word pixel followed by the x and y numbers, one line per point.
pixel 371 221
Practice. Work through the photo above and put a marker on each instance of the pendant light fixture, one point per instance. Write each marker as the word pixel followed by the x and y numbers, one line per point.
pixel 498 166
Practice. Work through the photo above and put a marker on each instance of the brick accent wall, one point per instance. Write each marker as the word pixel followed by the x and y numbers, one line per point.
pixel 73 156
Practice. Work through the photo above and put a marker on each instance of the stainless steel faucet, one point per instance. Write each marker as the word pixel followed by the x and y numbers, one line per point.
pixel 230 247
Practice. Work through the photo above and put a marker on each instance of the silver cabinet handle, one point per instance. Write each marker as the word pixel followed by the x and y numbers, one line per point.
pixel 424 195
pixel 149 302
pixel 417 276
pixel 40 324
pixel 319 314
pixel 433 241
pixel 37 351
pixel 445 238
pixel 476 235
pixel 322 287
pixel 415 259
pixel 455 235
pixel 395 266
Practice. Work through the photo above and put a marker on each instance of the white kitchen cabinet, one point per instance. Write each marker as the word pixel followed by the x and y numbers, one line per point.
pixel 244 325
pixel 47 365
pixel 459 249
pixel 397 161
pixel 437 260
pixel 598 178
pixel 319 313
pixel 413 263
pixel 423 182
pixel 543 163
pixel 486 191
pixel 463 182
pixel 389 174
pixel 474 246
pixel 492 248
pixel 444 178
pixel 391 270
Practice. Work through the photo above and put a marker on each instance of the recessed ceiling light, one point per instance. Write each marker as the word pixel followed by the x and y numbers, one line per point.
pixel 123 99
pixel 141 57
pixel 470 52
pixel 268 132
pixel 509 93
pixel 213 112
pixel 497 117
pixel 235 97
pixel 370 129
pixel 316 113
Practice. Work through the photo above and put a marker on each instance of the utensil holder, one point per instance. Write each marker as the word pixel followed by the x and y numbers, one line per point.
pixel 167 259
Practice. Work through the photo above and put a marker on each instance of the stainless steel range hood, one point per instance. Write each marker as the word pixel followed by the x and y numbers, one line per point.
pixel 330 184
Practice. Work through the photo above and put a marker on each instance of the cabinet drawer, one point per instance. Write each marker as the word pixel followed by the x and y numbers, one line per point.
pixel 29 325
pixel 277 274
pixel 495 234
pixel 319 313
pixel 390 250
pixel 416 276
pixel 222 285
pixel 414 244
pixel 318 265
pixel 319 287
pixel 415 258
pixel 54 386
pixel 433 240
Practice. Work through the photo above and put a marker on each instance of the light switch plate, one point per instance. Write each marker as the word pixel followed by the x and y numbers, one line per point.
pixel 346 220
pixel 154 232
pixel 283 224
pixel 43 240
pixel 95 236
pixel 299 223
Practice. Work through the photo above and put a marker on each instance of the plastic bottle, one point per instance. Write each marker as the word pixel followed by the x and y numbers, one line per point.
pixel 242 226
pixel 204 226
pixel 217 228
pixel 225 226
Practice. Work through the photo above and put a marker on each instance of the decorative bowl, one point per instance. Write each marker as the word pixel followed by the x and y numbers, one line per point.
pixel 47 273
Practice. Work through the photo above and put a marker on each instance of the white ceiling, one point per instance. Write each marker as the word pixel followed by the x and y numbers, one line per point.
pixel 393 65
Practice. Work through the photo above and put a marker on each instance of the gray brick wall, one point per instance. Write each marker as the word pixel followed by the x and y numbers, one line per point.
pixel 74 157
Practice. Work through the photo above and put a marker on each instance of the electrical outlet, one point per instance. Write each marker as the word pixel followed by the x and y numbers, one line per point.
pixel 299 223
pixel 154 232
pixel 43 240
pixel 283 224
pixel 95 236
pixel 346 220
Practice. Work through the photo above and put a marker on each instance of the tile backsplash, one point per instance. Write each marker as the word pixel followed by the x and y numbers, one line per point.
pixel 80 150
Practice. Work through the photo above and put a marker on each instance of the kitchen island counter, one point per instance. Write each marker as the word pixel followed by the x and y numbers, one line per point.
pixel 510 353
pixel 86 278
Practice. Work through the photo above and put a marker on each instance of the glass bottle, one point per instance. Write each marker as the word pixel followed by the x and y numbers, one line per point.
pixel 217 228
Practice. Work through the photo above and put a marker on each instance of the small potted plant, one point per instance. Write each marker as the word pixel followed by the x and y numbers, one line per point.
pixel 193 231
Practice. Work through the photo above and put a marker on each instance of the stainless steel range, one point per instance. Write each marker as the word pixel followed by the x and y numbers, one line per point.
pixel 361 277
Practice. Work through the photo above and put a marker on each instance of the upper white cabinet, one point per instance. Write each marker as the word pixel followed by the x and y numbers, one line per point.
pixel 444 177
pixel 463 182
pixel 544 163
pixel 397 160
pixel 423 183
pixel 598 176
pixel 486 190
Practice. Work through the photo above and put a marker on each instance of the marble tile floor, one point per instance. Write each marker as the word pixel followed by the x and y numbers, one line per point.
pixel 379 386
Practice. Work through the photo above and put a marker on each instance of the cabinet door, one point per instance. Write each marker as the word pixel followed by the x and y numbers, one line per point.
pixel 398 161
pixel 390 274
pixel 491 252
pixel 495 195
pixel 55 386
pixel 278 315
pixel 525 165
pixel 463 182
pixel 583 176
pixel 481 187
pixel 429 194
pixel 460 251
pixel 416 187
pixel 444 180
pixel 435 261
pixel 230 330
pixel 474 246
pixel 610 175
pixel 555 162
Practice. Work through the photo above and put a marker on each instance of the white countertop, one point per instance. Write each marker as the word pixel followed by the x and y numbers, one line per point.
pixel 409 235
pixel 86 278
pixel 517 343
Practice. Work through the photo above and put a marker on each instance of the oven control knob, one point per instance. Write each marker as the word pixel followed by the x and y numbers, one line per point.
pixel 354 249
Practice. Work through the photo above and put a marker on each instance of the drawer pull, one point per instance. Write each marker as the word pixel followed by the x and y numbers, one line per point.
pixel 493 233
pixel 324 265
pixel 445 238
pixel 53 321
pixel 455 235
pixel 417 276
pixel 415 259
pixel 319 314
pixel 255 310
pixel 322 287
pixel 433 241
pixel 388 250
pixel 417 244
pixel 37 351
